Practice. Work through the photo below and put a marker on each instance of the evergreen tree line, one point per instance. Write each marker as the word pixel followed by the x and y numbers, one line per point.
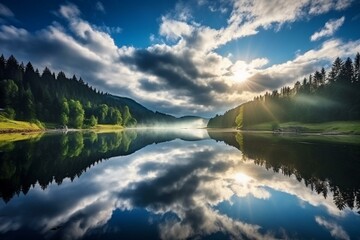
pixel 25 94
pixel 320 97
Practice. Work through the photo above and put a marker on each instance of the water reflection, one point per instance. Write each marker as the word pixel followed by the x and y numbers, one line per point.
pixel 184 186
pixel 324 164
pixel 53 157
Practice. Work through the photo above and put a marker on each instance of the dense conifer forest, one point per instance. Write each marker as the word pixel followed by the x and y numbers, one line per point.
pixel 26 94
pixel 320 97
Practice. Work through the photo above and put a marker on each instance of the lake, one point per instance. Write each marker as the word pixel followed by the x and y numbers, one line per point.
pixel 179 184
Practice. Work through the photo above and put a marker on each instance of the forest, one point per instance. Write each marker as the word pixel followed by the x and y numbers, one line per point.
pixel 27 95
pixel 320 97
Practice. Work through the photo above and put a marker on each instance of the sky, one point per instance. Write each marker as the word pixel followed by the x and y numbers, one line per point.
pixel 194 57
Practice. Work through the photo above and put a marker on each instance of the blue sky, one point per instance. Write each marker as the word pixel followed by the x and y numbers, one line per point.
pixel 196 57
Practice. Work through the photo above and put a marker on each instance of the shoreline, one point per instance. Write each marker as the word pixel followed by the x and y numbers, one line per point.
pixel 297 129
pixel 334 128
pixel 107 129
pixel 310 133
pixel 58 130
pixel 301 133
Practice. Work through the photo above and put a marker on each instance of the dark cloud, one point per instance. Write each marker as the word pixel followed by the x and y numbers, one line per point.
pixel 147 85
pixel 177 184
pixel 148 167
pixel 37 203
pixel 260 82
pixel 220 87
pixel 285 75
pixel 176 188
pixel 177 73
pixel 44 50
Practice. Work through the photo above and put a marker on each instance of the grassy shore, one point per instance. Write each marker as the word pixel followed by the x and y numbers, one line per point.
pixel 106 128
pixel 12 126
pixel 8 126
pixel 339 127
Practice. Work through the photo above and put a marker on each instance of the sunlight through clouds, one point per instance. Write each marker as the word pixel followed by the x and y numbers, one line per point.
pixel 182 72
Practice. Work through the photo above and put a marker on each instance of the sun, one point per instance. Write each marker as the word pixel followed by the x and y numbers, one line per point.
pixel 242 178
pixel 241 75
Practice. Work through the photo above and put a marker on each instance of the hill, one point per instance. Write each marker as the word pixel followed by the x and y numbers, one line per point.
pixel 27 95
pixel 143 115
pixel 319 98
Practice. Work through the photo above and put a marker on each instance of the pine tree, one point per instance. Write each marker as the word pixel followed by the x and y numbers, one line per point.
pixel 317 79
pixel 12 70
pixel 8 93
pixel 29 106
pixel 29 75
pixel 335 70
pixel 347 72
pixel 2 67
pixel 357 68
pixel 46 74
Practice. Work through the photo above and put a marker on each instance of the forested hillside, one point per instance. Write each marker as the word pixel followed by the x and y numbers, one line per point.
pixel 26 94
pixel 321 97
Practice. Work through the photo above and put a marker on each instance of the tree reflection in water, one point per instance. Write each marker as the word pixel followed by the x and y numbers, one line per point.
pixel 54 157
pixel 180 189
pixel 322 163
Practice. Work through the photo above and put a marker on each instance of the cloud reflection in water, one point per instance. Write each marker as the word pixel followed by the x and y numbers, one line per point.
pixel 187 180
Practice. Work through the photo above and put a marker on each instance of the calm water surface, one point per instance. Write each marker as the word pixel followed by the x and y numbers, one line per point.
pixel 185 184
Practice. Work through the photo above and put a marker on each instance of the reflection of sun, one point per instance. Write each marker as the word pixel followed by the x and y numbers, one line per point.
pixel 242 178
pixel 241 75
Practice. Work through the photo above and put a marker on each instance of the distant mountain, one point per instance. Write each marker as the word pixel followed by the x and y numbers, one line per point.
pixel 142 114
pixel 147 117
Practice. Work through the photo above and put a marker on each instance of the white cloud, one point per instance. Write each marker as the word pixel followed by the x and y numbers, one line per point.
pixel 69 11
pixel 9 32
pixel 323 6
pixel 291 71
pixel 196 77
pixel 329 29
pixel 335 230
pixel 248 17
pixel 5 11
pixel 173 29
pixel 100 7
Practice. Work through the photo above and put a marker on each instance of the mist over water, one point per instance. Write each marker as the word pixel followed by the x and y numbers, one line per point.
pixel 198 123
